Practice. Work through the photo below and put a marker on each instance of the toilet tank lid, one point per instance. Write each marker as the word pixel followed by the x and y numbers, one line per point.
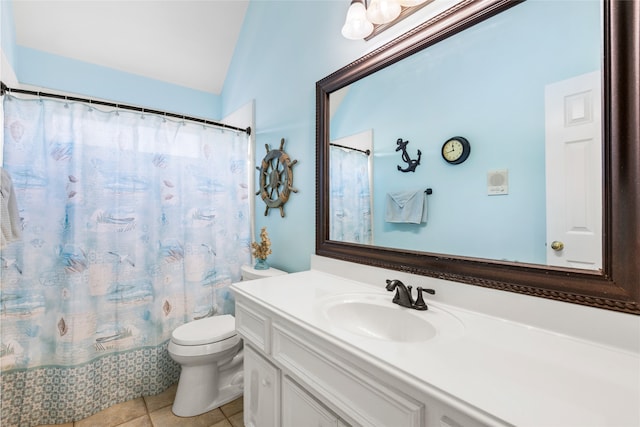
pixel 205 331
pixel 249 272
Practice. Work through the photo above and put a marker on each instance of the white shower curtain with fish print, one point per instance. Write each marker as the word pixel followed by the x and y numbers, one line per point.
pixel 350 192
pixel 132 224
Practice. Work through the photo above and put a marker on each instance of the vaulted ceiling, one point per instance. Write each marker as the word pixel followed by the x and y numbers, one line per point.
pixel 184 42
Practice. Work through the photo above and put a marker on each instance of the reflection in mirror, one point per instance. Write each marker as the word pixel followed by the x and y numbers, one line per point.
pixel 524 88
pixel 351 202
pixel 489 217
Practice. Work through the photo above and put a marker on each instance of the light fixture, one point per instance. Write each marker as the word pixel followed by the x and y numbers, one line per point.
pixel 383 11
pixel 410 3
pixel 364 22
pixel 356 25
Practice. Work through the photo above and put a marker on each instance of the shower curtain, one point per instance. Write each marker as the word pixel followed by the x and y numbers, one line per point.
pixel 350 200
pixel 132 225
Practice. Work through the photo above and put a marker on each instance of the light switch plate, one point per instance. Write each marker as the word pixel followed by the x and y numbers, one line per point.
pixel 498 182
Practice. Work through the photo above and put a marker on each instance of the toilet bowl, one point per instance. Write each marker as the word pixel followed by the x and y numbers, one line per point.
pixel 210 354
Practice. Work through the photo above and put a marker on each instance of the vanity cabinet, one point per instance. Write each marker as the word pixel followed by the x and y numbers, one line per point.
pixel 272 398
pixel 295 378
pixel 307 364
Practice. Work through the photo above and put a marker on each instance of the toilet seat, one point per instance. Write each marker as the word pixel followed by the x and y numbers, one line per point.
pixel 205 331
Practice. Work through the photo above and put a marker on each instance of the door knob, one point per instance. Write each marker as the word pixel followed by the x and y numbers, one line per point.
pixel 557 246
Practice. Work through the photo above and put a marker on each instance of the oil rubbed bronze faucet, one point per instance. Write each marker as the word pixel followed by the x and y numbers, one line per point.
pixel 403 295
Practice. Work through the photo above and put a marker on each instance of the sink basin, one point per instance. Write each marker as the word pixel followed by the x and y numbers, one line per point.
pixel 376 317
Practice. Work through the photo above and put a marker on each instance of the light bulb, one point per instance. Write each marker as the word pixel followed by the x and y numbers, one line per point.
pixel 356 26
pixel 383 11
pixel 410 3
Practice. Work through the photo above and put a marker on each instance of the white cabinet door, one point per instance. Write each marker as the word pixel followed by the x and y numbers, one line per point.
pixel 300 409
pixel 261 391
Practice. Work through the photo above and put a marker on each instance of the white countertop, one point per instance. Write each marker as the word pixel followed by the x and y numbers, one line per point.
pixel 523 375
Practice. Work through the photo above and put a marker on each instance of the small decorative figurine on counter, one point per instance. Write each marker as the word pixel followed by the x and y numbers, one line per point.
pixel 262 250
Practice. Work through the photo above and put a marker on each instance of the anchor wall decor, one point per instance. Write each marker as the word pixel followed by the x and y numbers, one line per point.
pixel 411 164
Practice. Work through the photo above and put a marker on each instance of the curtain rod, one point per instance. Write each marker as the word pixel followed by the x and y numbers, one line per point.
pixel 4 89
pixel 367 152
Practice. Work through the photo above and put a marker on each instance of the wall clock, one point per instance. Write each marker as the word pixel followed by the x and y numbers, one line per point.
pixel 276 178
pixel 456 150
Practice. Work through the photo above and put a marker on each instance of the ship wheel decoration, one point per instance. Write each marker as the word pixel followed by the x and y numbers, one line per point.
pixel 276 178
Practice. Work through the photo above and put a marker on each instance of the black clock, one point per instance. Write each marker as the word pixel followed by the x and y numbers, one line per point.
pixel 456 150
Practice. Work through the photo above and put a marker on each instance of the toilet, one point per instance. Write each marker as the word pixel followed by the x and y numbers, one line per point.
pixel 209 352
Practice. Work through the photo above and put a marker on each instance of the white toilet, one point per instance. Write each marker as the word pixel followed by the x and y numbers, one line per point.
pixel 209 352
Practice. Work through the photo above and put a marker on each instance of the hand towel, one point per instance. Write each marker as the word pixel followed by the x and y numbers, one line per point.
pixel 9 217
pixel 406 207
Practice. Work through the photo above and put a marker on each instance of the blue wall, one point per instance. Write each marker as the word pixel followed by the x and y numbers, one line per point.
pixel 286 47
pixel 57 73
pixel 7 30
pixel 487 84
pixel 64 74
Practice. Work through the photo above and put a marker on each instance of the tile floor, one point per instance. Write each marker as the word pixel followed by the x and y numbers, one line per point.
pixel 155 411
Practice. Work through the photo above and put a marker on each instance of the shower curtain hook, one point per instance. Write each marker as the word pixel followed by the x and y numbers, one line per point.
pixel 66 102
pixel 117 112
pixel 142 115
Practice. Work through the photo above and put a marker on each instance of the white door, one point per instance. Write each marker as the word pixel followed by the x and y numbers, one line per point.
pixel 574 172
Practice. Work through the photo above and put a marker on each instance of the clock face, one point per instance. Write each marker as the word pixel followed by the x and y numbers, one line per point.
pixel 456 150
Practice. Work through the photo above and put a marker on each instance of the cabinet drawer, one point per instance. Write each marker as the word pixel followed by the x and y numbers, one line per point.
pixel 254 326
pixel 344 387
pixel 442 415
pixel 300 409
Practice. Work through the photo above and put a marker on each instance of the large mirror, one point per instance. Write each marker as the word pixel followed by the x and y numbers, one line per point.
pixel 536 207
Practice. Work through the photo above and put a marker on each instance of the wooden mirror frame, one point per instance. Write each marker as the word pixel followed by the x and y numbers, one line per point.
pixel 617 286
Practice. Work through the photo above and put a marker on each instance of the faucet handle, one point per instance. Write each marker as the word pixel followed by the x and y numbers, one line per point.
pixel 420 304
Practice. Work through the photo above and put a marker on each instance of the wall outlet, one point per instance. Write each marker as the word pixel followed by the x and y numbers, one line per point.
pixel 498 182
